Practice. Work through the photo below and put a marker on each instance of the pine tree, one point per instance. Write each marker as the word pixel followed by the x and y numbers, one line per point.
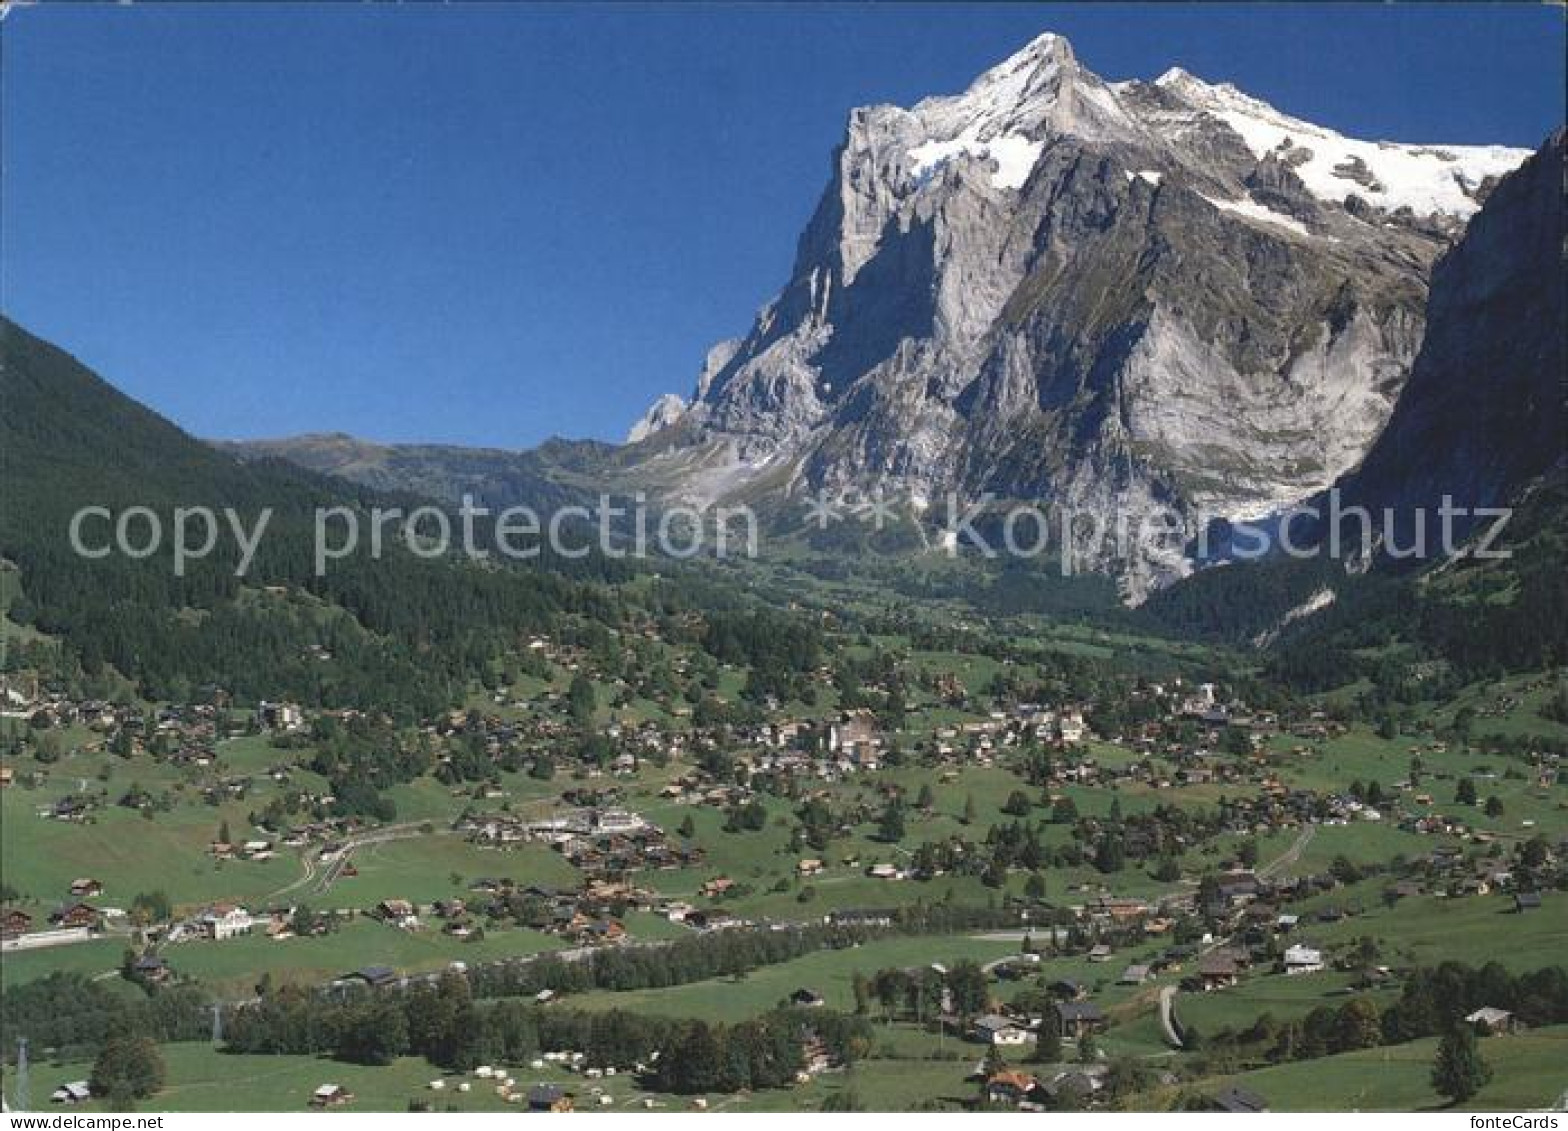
pixel 1459 1071
pixel 994 1062
pixel 891 826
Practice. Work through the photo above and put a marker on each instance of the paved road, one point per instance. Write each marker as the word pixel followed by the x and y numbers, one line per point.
pixel 319 878
pixel 1291 854
pixel 1168 993
pixel 1167 1018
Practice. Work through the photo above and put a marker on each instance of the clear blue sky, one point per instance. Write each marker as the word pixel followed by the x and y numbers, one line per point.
pixel 487 225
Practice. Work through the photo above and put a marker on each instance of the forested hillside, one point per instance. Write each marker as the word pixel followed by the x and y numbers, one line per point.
pixel 402 634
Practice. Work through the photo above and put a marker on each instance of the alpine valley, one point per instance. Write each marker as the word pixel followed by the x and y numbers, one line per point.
pixel 868 821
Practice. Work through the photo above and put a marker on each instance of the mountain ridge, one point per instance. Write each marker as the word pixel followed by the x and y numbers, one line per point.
pixel 1104 296
pixel 1108 297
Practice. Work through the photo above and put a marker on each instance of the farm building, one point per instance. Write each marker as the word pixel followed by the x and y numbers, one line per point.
pixel 1303 960
pixel 1078 1018
pixel 1489 1019
pixel 75 1092
pixel 993 1029
pixel 330 1095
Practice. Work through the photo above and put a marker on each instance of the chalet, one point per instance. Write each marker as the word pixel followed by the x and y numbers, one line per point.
pixel 1010 1088
pixel 224 921
pixel 993 1029
pixel 1527 901
pixel 716 887
pixel 1301 959
pixel 7 776
pixel 808 868
pixel 1238 888
pixel 1076 1083
pixel 330 1095
pixel 375 977
pixel 152 968
pixel 1118 910
pixel 75 915
pixel 603 931
pixel 862 917
pixel 1134 975
pixel 398 912
pixel 1217 971
pixel 809 999
pixel 1491 1020
pixel 14 922
pixel 86 888
pixel 706 920
pixel 884 872
pixel 279 716
pixel 1446 855
pixel 1067 989
pixel 1070 727
pixel 75 1092
pixel 1078 1018
pixel 1240 1101
pixel 549 1097
pixel 1100 952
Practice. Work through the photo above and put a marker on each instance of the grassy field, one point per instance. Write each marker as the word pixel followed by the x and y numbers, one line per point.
pixel 235 964
pixel 1283 997
pixel 441 866
pixel 829 973
pixel 129 853
pixel 88 958
pixel 1530 1073
pixel 200 1078
pixel 1476 930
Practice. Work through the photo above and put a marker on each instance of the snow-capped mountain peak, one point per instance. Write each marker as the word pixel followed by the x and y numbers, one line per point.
pixel 1109 296
pixel 1009 111
pixel 1427 179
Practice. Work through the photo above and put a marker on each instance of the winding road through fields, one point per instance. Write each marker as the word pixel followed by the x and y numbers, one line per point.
pixel 1284 860
pixel 318 878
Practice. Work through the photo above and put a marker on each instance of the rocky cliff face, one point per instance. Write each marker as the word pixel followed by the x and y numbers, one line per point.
pixel 1087 294
pixel 1486 407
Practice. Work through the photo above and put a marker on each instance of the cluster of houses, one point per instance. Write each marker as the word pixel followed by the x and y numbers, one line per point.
pixel 586 916
pixel 1027 1091
pixel 73 916
pixel 599 842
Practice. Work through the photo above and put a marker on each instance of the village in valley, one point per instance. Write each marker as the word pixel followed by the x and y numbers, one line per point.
pixel 764 558
pixel 1055 872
